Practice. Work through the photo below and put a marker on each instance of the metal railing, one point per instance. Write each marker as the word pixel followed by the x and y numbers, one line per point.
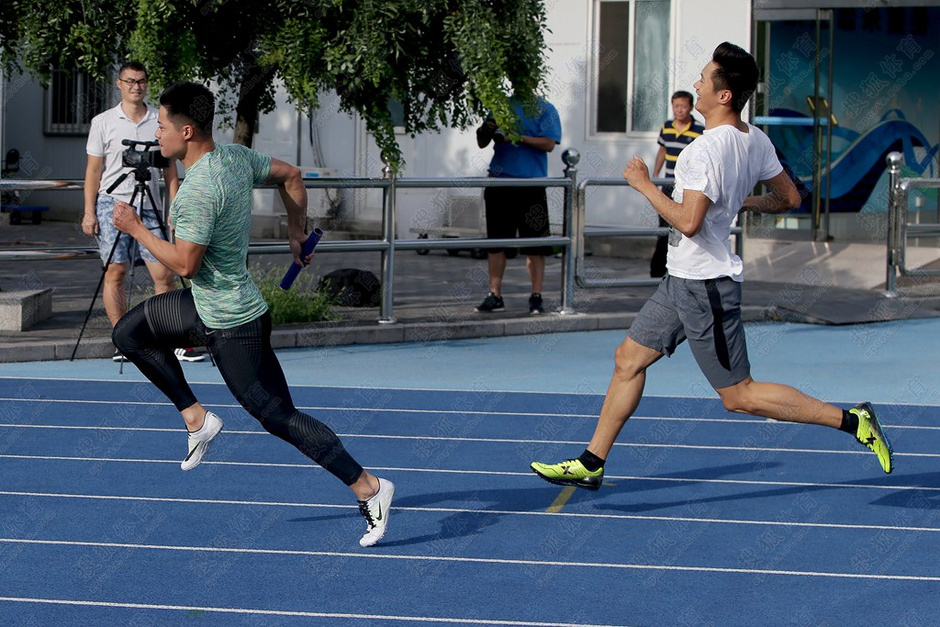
pixel 584 232
pixel 572 239
pixel 898 226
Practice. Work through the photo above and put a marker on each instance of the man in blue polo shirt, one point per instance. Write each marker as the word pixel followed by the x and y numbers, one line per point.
pixel 519 211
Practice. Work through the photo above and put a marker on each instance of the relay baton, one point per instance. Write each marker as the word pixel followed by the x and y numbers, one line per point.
pixel 295 269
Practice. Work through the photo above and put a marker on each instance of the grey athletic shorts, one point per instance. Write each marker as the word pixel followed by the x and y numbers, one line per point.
pixel 707 314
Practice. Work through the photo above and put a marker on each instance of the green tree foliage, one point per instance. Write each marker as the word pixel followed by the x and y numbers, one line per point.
pixel 446 61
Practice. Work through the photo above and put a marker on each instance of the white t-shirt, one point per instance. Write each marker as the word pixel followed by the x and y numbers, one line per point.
pixel 107 131
pixel 725 165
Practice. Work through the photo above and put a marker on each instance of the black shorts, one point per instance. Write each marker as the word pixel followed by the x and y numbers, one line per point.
pixel 517 212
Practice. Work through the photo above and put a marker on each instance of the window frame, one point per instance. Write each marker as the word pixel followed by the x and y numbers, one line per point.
pixel 82 91
pixel 596 56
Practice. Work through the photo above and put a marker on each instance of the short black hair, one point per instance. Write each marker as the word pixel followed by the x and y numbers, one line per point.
pixel 192 101
pixel 737 72
pixel 137 66
pixel 683 94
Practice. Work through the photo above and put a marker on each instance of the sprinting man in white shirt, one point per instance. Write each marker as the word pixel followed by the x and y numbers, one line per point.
pixel 700 298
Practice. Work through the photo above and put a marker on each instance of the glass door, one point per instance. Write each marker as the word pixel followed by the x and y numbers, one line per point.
pixel 793 48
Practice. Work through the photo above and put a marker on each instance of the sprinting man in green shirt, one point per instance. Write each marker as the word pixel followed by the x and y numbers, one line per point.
pixel 223 310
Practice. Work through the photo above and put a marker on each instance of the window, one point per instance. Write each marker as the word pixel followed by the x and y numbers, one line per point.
pixel 72 100
pixel 631 63
pixel 397 111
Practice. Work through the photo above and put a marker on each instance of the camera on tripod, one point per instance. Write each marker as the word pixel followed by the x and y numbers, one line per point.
pixel 144 158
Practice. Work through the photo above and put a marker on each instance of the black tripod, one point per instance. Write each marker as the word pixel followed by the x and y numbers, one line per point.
pixel 141 172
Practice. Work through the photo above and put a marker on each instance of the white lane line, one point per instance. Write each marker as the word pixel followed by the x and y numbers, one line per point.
pixel 498 473
pixel 294 613
pixel 441 411
pixel 475 560
pixel 369 386
pixel 463 510
pixel 379 436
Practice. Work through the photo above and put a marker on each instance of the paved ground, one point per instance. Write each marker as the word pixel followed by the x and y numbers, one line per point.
pixel 434 295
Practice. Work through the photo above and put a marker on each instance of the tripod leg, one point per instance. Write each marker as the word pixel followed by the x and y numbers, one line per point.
pixel 153 205
pixel 144 192
pixel 135 251
pixel 91 305
pixel 129 289
pixel 166 236
pixel 160 223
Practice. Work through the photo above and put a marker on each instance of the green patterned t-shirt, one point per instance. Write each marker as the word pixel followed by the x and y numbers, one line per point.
pixel 213 208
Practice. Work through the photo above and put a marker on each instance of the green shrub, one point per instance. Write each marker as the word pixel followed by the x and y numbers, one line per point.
pixel 301 303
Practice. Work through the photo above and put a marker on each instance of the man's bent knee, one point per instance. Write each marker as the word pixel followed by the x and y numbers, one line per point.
pixel 631 358
pixel 115 272
pixel 163 278
pixel 126 333
pixel 734 404
pixel 737 398
pixel 120 336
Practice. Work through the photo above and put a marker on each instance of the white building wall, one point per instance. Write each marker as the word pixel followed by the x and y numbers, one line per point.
pixel 697 28
pixel 346 147
pixel 41 157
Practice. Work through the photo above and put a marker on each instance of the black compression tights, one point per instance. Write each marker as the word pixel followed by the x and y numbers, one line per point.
pixel 148 334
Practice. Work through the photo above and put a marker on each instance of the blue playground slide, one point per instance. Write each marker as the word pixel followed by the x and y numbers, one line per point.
pixel 858 158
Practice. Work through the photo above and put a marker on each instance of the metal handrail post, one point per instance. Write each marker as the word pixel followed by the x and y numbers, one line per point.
pixel 386 315
pixel 920 229
pixel 894 160
pixel 582 233
pixel 900 228
pixel 570 157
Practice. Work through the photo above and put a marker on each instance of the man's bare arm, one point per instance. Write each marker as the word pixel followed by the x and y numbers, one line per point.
pixel 686 217
pixel 781 197
pixel 182 257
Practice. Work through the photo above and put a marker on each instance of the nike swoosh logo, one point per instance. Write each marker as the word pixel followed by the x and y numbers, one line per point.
pixel 379 515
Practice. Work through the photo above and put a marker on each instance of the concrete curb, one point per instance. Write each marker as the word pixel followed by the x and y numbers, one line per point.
pixel 305 336
pixel 428 332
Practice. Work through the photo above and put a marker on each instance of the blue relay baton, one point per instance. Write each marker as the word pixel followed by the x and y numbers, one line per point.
pixel 295 269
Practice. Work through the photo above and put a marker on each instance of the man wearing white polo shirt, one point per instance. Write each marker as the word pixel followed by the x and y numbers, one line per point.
pixel 131 119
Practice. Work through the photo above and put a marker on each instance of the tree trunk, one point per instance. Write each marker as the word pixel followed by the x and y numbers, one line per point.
pixel 245 126
pixel 254 84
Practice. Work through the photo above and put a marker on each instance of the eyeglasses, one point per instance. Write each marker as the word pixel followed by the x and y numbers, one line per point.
pixel 130 82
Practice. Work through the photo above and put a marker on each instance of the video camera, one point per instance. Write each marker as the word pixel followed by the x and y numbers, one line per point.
pixel 144 158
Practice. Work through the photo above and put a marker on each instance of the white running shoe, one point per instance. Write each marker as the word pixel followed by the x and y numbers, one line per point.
pixel 188 354
pixel 375 511
pixel 200 441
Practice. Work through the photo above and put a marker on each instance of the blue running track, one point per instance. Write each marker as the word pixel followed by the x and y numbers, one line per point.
pixel 705 518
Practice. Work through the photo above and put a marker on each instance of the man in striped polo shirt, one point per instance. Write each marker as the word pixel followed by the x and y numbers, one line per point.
pixel 675 135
